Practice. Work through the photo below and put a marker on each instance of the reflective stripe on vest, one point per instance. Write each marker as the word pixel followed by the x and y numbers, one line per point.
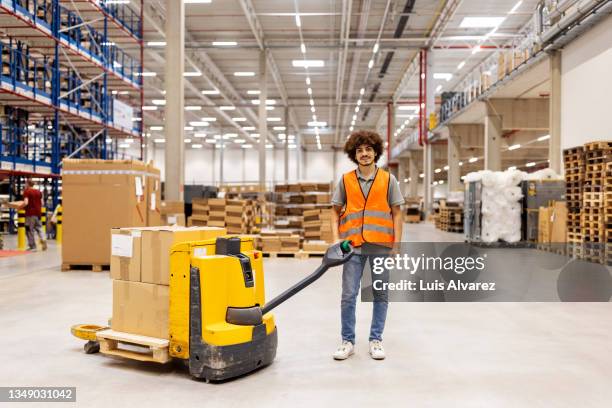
pixel 367 218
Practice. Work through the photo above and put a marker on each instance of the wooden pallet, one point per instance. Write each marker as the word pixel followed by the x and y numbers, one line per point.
pixel 282 254
pixel 572 178
pixel 133 346
pixel 573 151
pixel 600 145
pixel 574 237
pixel 85 267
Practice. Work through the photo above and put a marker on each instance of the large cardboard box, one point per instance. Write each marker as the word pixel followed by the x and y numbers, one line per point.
pixel 125 254
pixel 140 308
pixel 156 244
pixel 154 217
pixel 98 195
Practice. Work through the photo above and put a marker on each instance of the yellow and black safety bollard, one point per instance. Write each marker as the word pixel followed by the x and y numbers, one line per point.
pixel 43 222
pixel 58 225
pixel 21 232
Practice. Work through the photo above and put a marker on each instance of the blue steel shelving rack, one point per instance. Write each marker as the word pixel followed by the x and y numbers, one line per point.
pixel 63 62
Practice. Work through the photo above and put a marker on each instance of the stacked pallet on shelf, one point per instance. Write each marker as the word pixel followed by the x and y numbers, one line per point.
pixel 239 216
pixel 216 212
pixel 573 160
pixel 412 209
pixel 275 242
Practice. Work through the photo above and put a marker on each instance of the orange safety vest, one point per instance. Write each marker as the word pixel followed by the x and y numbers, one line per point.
pixel 367 218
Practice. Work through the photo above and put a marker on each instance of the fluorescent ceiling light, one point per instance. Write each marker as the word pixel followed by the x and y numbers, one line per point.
pixel 408 107
pixel 230 135
pixel 269 146
pixel 239 119
pixel 307 80
pixel 210 92
pixel 149 108
pixel 361 91
pixel 446 168
pixel 160 102
pixel 254 92
pixel 514 147
pixel 460 164
pixel 279 128
pixel 530 164
pixel 303 48
pixel 246 146
pixel 273 119
pixel 268 101
pixel 156 43
pixel 187 140
pixel 147 74
pixel 209 119
pixel 196 146
pixel 542 138
pixel 473 160
pixel 476 49
pixel 227 108
pixel 512 168
pixel 197 1
pixel 199 123
pixel 438 88
pixel 254 135
pixel 351 129
pixel 193 108
pixel 239 141
pixel 291 146
pixel 308 63
pixel 210 141
pixel 199 135
pixel 269 107
pixel 371 64
pixel 481 22
pixel 192 74
pixel 159 141
pixel 224 43
pixel 298 21
pixel 317 124
pixel 124 145
pixel 244 74
pixel 247 128
pixel 136 119
pixel 461 65
pixel 188 128
pixel 516 6
pixel 375 49
pixel 156 128
pixel 438 171
pixel 442 75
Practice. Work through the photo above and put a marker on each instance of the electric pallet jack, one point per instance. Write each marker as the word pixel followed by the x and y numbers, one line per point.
pixel 219 322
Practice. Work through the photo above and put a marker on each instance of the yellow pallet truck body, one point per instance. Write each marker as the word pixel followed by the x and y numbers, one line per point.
pixel 219 322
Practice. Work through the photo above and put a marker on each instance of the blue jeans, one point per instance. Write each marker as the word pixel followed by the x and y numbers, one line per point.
pixel 351 279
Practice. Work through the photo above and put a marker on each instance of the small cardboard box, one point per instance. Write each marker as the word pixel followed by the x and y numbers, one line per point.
pixel 125 254
pixel 140 308
pixel 156 244
pixel 153 195
pixel 172 207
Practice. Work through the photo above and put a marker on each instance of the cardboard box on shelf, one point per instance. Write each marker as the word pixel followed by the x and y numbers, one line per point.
pixel 98 195
pixel 140 308
pixel 156 244
pixel 125 254
pixel 174 219
pixel 315 246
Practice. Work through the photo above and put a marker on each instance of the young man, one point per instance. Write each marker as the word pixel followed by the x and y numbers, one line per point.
pixel 32 202
pixel 366 211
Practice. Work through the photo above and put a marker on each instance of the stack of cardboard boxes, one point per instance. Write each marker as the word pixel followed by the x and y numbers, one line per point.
pixel 199 212
pixel 98 195
pixel 317 228
pixel 140 265
pixel 279 241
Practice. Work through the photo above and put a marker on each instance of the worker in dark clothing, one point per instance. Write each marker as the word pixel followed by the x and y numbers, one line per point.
pixel 32 202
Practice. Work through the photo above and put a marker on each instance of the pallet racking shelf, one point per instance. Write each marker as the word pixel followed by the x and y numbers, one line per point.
pixel 71 85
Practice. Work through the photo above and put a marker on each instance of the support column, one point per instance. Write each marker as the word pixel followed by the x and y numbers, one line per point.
pixel 221 150
pixel 428 179
pixel 554 143
pixel 454 181
pixel 286 144
pixel 335 164
pixel 263 119
pixel 492 141
pixel 173 78
pixel 413 186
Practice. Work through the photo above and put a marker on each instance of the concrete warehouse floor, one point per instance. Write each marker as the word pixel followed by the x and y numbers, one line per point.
pixel 494 354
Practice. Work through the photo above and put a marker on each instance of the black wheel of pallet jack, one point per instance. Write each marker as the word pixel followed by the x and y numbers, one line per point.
pixel 91 347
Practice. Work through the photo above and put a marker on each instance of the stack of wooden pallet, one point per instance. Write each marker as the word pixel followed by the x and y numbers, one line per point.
pixel 586 170
pixel 608 212
pixel 597 155
pixel 573 159
pixel 199 212
pixel 450 219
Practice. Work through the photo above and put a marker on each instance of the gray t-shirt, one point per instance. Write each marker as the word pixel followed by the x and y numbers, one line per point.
pixel 394 197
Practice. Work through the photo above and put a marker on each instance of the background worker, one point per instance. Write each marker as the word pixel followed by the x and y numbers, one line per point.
pixel 32 202
pixel 367 211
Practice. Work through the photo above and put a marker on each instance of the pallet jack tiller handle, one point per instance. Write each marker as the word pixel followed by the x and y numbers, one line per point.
pixel 335 255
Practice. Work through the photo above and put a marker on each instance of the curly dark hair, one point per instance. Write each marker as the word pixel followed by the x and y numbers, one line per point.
pixel 363 137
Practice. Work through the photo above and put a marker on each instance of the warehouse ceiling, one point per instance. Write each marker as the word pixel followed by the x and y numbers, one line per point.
pixel 225 37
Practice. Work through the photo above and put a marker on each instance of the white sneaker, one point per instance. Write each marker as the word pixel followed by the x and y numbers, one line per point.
pixel 376 350
pixel 345 350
